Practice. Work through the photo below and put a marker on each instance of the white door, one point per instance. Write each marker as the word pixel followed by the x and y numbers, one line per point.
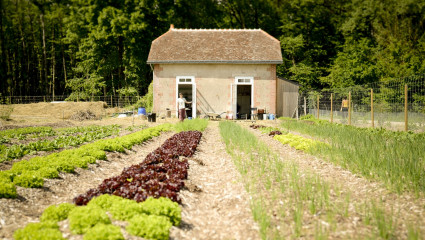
pixel 193 100
pixel 234 99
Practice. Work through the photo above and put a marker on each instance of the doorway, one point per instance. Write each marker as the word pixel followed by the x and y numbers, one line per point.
pixel 242 95
pixel 243 101
pixel 187 86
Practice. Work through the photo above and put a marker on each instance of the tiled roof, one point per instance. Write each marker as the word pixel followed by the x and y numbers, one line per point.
pixel 245 46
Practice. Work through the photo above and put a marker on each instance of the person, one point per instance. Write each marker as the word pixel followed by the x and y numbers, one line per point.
pixel 344 107
pixel 181 105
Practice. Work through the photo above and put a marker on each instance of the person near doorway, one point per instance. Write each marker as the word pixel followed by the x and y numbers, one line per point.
pixel 181 105
pixel 344 107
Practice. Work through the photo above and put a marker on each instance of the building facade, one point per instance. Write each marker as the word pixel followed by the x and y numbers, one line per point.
pixel 220 71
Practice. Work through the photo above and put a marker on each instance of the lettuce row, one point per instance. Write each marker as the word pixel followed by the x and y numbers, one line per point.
pixel 32 173
pixel 151 219
pixel 300 143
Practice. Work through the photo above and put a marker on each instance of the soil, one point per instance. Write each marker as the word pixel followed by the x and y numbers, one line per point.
pixel 212 207
pixel 216 205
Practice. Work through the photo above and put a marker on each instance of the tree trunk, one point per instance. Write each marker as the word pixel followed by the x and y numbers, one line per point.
pixel 39 60
pixel 120 56
pixel 3 69
pixel 63 57
pixel 53 63
pixel 44 48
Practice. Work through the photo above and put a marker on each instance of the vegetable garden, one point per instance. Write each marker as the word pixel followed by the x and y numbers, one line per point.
pixel 212 180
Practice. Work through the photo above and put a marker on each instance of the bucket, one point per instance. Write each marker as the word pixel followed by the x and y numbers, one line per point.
pixel 141 111
pixel 271 116
pixel 264 116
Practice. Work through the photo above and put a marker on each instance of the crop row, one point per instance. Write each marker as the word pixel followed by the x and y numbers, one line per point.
pixel 40 132
pixel 395 158
pixel 153 184
pixel 289 202
pixel 161 174
pixel 295 141
pixel 150 219
pixel 32 173
pixel 90 134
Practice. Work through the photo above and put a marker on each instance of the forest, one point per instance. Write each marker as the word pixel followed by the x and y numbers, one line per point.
pixel 90 48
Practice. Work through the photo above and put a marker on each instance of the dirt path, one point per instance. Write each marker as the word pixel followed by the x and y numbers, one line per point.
pixel 15 213
pixel 406 208
pixel 216 206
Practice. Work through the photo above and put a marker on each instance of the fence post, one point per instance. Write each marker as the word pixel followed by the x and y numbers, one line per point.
pixel 405 108
pixel 332 113
pixel 371 108
pixel 112 102
pixel 305 106
pixel 349 108
pixel 318 107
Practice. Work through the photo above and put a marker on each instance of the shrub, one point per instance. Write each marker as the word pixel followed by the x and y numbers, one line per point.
pixel 149 226
pixel 5 112
pixel 41 230
pixel 163 207
pixel 57 213
pixel 29 179
pixel 104 232
pixel 81 219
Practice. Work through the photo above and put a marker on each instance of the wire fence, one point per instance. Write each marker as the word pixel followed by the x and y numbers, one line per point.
pixel 394 104
pixel 112 101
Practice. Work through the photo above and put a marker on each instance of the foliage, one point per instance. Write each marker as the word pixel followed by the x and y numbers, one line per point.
pixel 298 142
pixel 396 158
pixel 39 231
pixel 87 48
pixel 196 124
pixel 162 207
pixel 147 100
pixel 56 213
pixel 104 232
pixel 161 174
pixel 5 111
pixel 7 189
pixel 81 219
pixel 29 179
pixel 31 173
pixel 150 226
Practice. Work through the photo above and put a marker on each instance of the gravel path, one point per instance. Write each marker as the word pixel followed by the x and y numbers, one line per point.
pixel 216 205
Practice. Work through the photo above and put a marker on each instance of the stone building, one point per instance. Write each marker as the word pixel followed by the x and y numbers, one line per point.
pixel 219 70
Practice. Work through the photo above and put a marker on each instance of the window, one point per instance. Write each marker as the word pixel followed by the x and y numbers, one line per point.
pixel 244 80
pixel 185 80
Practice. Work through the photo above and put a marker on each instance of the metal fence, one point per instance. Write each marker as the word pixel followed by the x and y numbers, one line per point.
pixel 396 104
pixel 112 101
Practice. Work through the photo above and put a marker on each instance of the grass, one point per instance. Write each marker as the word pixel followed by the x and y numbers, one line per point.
pixel 306 205
pixel 270 180
pixel 196 124
pixel 396 158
